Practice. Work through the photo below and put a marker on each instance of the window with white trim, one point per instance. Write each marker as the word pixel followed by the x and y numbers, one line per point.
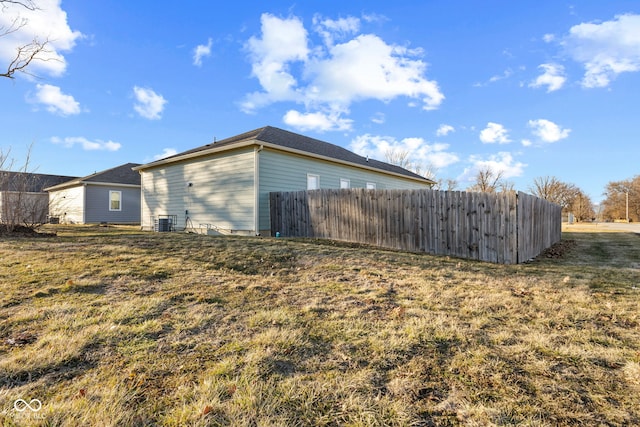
pixel 345 183
pixel 115 200
pixel 313 181
pixel 371 185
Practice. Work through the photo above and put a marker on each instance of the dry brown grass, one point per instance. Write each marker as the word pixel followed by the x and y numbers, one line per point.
pixel 111 326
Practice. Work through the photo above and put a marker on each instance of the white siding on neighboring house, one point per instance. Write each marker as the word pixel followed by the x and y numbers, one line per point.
pixel 68 204
pixel 216 190
pixel 281 171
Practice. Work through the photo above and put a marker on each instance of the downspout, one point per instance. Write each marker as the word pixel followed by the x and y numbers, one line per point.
pixel 84 203
pixel 256 189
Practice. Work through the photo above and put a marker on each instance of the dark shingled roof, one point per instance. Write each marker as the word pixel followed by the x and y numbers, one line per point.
pixel 123 174
pixel 29 182
pixel 291 140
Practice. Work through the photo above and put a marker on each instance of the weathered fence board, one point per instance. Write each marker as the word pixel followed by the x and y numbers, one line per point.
pixel 503 228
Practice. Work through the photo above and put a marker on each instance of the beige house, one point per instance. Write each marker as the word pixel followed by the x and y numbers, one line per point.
pixel 224 187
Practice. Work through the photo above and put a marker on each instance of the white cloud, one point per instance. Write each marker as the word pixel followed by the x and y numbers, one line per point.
pixel 318 121
pixel 330 29
pixel 47 23
pixel 420 152
pixel 283 41
pixel 444 130
pixel 201 51
pixel 330 76
pixel 494 132
pixel 553 77
pixel 166 152
pixel 605 49
pixel 148 103
pixel 505 75
pixel 368 68
pixel 548 38
pixel 378 118
pixel 502 162
pixel 55 101
pixel 548 131
pixel 374 17
pixel 527 143
pixel 87 144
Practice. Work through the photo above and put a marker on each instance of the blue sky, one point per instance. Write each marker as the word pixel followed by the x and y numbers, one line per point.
pixel 528 88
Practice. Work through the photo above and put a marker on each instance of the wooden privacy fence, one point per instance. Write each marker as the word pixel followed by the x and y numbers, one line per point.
pixel 505 228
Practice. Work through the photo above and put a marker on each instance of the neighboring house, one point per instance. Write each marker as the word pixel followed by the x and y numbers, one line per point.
pixel 111 196
pixel 22 196
pixel 224 186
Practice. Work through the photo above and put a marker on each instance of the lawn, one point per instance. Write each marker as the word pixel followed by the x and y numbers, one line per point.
pixel 117 327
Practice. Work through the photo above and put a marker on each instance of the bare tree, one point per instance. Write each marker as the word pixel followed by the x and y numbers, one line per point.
pixel 553 190
pixel 27 53
pixel 619 195
pixel 571 198
pixel 505 186
pixel 487 181
pixel 21 200
pixel 582 207
pixel 398 157
pixel 402 158
pixel 445 184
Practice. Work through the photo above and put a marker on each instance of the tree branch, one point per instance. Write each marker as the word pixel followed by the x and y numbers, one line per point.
pixel 26 54
pixel 27 4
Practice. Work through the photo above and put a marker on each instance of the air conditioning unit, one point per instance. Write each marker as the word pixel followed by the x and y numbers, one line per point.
pixel 164 224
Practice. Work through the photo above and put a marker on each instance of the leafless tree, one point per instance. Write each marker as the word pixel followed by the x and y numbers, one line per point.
pixel 582 207
pixel 487 181
pixel 553 190
pixel 21 202
pixel 445 184
pixel 568 196
pixel 505 186
pixel 402 158
pixel 29 52
pixel 617 194
pixel 398 157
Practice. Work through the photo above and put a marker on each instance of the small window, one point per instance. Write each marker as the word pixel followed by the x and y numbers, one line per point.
pixel 115 200
pixel 371 185
pixel 313 182
pixel 345 183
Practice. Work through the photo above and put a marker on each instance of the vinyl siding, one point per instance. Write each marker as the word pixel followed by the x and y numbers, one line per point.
pixel 68 204
pixel 97 205
pixel 281 171
pixel 221 192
